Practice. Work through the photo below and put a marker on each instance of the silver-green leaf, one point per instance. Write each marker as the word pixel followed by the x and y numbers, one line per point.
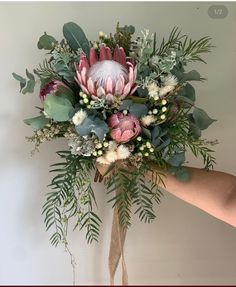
pixel 75 37
pixel 58 108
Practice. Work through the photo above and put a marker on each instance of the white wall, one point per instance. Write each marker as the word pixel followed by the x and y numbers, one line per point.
pixel 184 245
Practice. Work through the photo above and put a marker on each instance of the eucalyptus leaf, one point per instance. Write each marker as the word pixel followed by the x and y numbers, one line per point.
pixel 175 159
pixel 20 79
pixel 201 119
pixel 181 173
pixel 30 84
pixel 75 37
pixel 188 91
pixel 29 87
pixel 146 132
pixel 58 108
pixel 191 76
pixel 155 135
pixel 93 125
pixel 138 110
pixel 37 122
pixel 125 105
pixel 46 42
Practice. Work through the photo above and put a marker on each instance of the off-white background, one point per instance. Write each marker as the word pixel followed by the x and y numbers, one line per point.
pixel 184 245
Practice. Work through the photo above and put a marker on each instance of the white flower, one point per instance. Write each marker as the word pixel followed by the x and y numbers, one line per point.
pixel 112 145
pixel 170 81
pixel 122 152
pixel 111 156
pixel 79 117
pixel 114 153
pixel 165 90
pixel 153 89
pixel 102 160
pixel 148 120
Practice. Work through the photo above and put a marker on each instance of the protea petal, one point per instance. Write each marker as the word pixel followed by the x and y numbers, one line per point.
pixel 126 136
pixel 103 53
pixel 119 56
pixel 83 62
pixel 131 76
pixel 133 90
pixel 83 75
pixel 113 121
pixel 109 98
pixel 79 77
pixel 84 89
pixel 93 58
pixel 109 54
pixel 90 85
pixel 122 57
pixel 119 87
pixel 126 90
pixel 109 85
pixel 100 92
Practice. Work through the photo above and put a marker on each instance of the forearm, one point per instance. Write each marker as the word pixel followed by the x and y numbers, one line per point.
pixel 211 191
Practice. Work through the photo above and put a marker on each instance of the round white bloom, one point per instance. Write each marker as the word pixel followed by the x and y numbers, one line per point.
pixel 163 102
pixel 79 117
pixel 99 145
pixel 163 116
pixel 148 120
pixel 153 90
pixel 122 152
pixel 155 111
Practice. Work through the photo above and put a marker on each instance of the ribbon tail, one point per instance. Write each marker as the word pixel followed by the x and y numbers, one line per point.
pixel 116 249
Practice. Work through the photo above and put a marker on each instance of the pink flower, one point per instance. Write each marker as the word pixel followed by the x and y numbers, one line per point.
pixel 50 88
pixel 106 76
pixel 124 128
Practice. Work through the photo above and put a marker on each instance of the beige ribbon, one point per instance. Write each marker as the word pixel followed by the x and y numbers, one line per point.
pixel 116 252
pixel 118 235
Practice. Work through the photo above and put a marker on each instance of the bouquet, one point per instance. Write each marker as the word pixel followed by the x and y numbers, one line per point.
pixel 124 104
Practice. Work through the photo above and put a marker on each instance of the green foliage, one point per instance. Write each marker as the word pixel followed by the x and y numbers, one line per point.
pixel 188 50
pixel 26 85
pixel 188 92
pixel 75 37
pixel 20 79
pixel 58 108
pixel 134 189
pixel 201 119
pixel 172 43
pixel 181 136
pixel 122 38
pixel 46 72
pixel 93 125
pixel 37 123
pixel 71 196
pixel 46 42
pixel 193 49
pixel 63 65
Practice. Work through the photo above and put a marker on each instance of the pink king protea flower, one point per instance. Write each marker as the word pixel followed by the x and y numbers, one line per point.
pixel 107 76
pixel 124 128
